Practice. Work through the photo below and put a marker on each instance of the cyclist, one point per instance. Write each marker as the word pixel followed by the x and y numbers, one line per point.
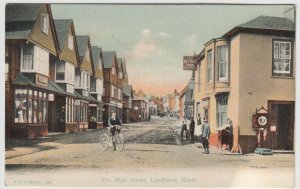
pixel 115 125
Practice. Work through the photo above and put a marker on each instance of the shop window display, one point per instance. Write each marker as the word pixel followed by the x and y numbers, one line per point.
pixel 30 106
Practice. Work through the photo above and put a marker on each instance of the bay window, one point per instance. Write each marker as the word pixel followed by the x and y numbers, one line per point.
pixel 34 59
pixel 282 58
pixel 222 63
pixel 60 71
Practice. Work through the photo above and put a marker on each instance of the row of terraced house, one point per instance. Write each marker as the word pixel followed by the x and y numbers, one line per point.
pixel 55 80
pixel 246 75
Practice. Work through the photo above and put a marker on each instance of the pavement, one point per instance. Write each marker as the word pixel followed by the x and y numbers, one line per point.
pixel 153 156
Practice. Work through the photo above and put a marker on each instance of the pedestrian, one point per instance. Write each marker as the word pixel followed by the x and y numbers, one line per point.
pixel 183 127
pixel 115 125
pixel 205 136
pixel 192 129
pixel 229 129
pixel 199 119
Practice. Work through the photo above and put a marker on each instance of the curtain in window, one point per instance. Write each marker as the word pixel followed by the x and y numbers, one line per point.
pixel 27 58
pixel 282 57
pixel 222 61
pixel 60 71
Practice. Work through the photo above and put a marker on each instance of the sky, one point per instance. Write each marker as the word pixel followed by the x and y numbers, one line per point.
pixel 154 38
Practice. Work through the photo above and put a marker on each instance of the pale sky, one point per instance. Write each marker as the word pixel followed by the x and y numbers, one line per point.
pixel 154 38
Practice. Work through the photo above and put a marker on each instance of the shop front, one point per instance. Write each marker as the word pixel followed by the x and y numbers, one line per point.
pixel 95 115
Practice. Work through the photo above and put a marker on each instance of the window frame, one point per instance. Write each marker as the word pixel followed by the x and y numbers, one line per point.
pixel 64 72
pixel 87 54
pixel 223 79
pixel 70 42
pixel 32 58
pixel 220 113
pixel 45 30
pixel 209 66
pixel 291 74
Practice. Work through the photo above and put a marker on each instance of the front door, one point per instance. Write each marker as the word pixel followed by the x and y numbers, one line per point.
pixel 285 127
pixel 282 116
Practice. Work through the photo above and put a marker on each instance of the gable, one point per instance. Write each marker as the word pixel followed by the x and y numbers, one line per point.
pixel 47 40
pixel 87 65
pixel 70 55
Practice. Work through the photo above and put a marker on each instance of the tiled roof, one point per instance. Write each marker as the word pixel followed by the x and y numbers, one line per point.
pixel 264 23
pixel 269 22
pixel 96 55
pixel 17 12
pixel 120 64
pixel 62 29
pixel 81 44
pixel 127 90
pixel 108 58
pixel 20 19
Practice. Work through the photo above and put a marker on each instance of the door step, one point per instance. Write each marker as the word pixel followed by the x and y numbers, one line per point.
pixel 283 152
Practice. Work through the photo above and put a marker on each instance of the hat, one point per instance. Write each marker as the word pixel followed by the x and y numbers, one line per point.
pixel 205 119
pixel 113 111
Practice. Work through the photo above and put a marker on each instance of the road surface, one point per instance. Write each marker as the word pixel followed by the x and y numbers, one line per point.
pixel 153 156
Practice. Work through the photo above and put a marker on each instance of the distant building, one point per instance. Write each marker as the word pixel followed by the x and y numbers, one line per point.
pixel 113 86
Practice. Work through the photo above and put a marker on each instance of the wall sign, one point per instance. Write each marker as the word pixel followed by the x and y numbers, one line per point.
pixel 51 97
pixel 41 80
pixel 188 62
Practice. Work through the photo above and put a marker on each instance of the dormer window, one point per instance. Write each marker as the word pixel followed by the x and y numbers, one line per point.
pixel 45 23
pixel 70 42
pixel 87 54
pixel 100 64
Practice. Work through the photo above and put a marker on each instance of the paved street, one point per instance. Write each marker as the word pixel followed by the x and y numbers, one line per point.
pixel 153 156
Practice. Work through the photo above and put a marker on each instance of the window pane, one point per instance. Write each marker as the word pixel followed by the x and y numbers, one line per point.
pixel 21 106
pixel 44 111
pixel 60 71
pixel 282 57
pixel 35 111
pixel 29 110
pixel 27 59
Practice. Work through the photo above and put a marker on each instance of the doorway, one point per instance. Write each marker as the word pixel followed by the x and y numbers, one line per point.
pixel 282 115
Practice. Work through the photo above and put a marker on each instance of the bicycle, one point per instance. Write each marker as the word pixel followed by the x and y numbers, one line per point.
pixel 106 140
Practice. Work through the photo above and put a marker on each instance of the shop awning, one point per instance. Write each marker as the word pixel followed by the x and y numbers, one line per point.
pixel 87 98
pixel 53 85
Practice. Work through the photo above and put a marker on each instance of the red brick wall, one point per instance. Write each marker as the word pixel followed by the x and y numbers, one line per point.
pixel 13 58
pixel 37 131
pixel 71 127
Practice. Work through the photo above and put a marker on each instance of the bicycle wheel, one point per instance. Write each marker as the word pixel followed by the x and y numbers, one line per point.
pixel 104 141
pixel 119 142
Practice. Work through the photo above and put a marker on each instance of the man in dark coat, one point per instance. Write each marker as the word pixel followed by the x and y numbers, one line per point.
pixel 113 123
pixel 192 129
pixel 205 136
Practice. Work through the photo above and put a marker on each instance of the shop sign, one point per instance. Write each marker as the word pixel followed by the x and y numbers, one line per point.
pixel 41 80
pixel 260 120
pixel 189 62
pixel 51 97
